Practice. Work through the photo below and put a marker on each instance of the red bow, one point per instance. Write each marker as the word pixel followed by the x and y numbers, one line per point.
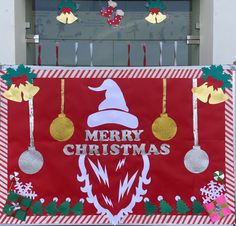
pixel 66 10
pixel 214 82
pixel 19 80
pixel 155 10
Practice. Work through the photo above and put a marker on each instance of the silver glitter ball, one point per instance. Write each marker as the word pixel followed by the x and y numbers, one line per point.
pixel 31 161
pixel 196 160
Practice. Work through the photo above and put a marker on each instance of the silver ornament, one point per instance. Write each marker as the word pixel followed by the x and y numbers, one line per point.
pixel 196 160
pixel 31 161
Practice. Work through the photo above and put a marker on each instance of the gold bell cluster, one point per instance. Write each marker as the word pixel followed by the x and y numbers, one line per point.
pixel 67 10
pixel 20 83
pixel 212 90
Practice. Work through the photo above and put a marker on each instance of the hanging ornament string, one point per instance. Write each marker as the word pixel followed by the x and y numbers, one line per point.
pixel 195 116
pixel 91 54
pixel 31 122
pixel 144 55
pixel 76 53
pixel 129 49
pixel 161 49
pixel 196 160
pixel 62 128
pixel 31 161
pixel 164 96
pixel 39 53
pixel 175 52
pixel 62 96
pixel 57 53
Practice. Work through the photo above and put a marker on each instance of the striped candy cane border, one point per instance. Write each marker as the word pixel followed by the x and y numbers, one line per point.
pixel 128 73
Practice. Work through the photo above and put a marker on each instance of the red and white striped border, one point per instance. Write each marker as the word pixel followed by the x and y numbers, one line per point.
pixel 151 73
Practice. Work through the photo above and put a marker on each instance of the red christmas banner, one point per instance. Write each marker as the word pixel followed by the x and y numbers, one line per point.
pixel 117 146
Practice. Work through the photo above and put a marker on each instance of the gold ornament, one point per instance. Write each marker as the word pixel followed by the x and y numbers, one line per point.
pixel 62 128
pixel 151 18
pixel 67 18
pixel 204 91
pixel 218 96
pixel 164 127
pixel 28 90
pixel 160 17
pixel 13 94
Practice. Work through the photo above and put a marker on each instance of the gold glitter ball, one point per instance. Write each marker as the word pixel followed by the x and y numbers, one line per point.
pixel 164 128
pixel 62 128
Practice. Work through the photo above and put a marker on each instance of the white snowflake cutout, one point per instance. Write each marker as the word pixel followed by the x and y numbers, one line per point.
pixel 25 190
pixel 212 191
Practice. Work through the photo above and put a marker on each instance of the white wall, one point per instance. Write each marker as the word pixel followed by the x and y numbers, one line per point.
pixel 12 38
pixel 224 31
pixel 217 33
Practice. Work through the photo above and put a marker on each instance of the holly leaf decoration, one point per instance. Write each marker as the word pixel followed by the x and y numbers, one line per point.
pixel 217 73
pixel 68 4
pixel 156 4
pixel 20 71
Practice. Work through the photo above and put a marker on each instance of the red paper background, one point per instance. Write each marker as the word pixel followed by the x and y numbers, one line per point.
pixel 144 99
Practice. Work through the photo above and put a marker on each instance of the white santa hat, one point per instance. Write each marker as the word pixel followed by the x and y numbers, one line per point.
pixel 113 109
pixel 112 4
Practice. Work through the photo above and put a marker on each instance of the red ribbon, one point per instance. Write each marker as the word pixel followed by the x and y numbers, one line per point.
pixel 66 10
pixel 155 10
pixel 19 80
pixel 39 54
pixel 129 48
pixel 57 54
pixel 214 82
pixel 144 55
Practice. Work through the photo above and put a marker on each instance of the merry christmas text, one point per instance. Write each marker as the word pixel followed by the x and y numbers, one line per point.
pixel 115 148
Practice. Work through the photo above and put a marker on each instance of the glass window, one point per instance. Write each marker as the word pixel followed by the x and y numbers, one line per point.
pixel 110 45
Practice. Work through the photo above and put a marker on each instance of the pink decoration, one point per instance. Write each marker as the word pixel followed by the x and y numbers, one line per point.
pixel 218 209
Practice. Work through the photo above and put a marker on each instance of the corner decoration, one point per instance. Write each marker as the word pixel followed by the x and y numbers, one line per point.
pixel 156 15
pixel 120 163
pixel 213 88
pixel 20 81
pixel 67 10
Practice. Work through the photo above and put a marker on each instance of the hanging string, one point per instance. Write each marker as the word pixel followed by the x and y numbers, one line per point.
pixel 164 96
pixel 175 52
pixel 144 54
pixel 31 122
pixel 57 53
pixel 195 116
pixel 91 53
pixel 39 53
pixel 76 53
pixel 129 49
pixel 62 96
pixel 161 50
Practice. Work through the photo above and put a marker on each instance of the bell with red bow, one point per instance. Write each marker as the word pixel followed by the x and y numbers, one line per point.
pixel 21 85
pixel 156 15
pixel 215 83
pixel 67 10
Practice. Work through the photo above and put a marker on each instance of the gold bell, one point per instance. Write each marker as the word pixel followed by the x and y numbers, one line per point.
pixel 29 91
pixel 218 96
pixel 151 18
pixel 160 17
pixel 202 92
pixel 67 18
pixel 13 94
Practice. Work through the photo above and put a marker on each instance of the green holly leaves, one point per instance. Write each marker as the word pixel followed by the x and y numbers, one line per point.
pixel 217 73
